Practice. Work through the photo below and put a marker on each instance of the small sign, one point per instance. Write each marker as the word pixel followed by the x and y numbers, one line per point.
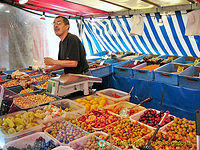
pixel 102 143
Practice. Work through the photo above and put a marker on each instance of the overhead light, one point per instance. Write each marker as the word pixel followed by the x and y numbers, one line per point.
pixel 23 1
pixel 43 16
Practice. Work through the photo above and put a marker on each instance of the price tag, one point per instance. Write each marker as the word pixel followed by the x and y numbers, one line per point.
pixel 180 69
pixel 102 63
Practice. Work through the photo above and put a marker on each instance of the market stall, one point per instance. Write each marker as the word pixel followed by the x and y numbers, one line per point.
pixel 137 51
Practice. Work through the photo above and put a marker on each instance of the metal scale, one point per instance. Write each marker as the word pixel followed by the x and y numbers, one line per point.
pixel 70 83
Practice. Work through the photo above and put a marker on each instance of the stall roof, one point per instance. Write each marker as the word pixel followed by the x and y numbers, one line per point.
pixel 92 8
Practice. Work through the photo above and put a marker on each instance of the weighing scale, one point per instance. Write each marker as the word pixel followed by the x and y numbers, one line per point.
pixel 70 83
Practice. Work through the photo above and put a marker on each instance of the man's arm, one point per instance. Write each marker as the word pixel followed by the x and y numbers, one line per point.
pixel 61 63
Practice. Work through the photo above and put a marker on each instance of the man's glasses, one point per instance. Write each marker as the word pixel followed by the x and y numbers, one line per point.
pixel 58 23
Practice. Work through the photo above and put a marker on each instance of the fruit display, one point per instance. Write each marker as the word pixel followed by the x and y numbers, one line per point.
pixel 98 119
pixel 82 125
pixel 42 78
pixel 65 132
pixel 34 73
pixel 97 65
pixel 150 67
pixel 39 144
pixel 133 64
pixel 124 132
pixel 10 83
pixel 18 122
pixel 38 99
pixel 116 108
pixel 94 102
pixel 153 117
pixel 26 91
pixel 43 85
pixel 182 127
pixel 165 142
pixel 1 80
pixel 89 143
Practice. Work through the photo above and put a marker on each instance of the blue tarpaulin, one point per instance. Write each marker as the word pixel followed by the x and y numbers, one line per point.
pixel 181 102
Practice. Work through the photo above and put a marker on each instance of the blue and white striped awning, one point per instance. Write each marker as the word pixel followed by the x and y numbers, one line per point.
pixel 100 35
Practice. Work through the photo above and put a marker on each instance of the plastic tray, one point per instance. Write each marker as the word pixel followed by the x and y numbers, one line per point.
pixel 101 71
pixel 81 143
pixel 29 140
pixel 187 60
pixel 78 109
pixel 124 96
pixel 148 136
pixel 93 98
pixel 62 132
pixel 143 74
pixel 63 148
pixel 164 74
pixel 187 79
pixel 33 104
pixel 17 135
pixel 136 117
pixel 115 108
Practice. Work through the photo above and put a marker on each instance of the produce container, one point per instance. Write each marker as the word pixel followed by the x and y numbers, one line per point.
pixel 21 133
pixel 117 107
pixel 92 141
pixel 94 102
pixel 114 95
pixel 187 60
pixel 146 116
pixel 142 74
pixel 165 74
pixel 100 70
pixel 190 78
pixel 72 108
pixel 64 132
pixel 126 71
pixel 29 140
pixel 33 99
pixel 164 141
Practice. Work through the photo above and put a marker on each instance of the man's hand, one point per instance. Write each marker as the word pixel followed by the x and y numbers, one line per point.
pixel 48 70
pixel 49 61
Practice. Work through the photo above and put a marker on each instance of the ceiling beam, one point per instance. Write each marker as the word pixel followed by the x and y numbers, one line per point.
pixel 84 5
pixel 191 1
pixel 149 10
pixel 115 4
pixel 152 3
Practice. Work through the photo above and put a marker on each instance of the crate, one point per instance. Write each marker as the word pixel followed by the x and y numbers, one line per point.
pixel 92 101
pixel 62 148
pixel 101 71
pixel 169 56
pixel 112 94
pixel 189 78
pixel 32 103
pixel 19 134
pixel 164 74
pixel 125 72
pixel 67 130
pixel 91 141
pixel 117 107
pixel 179 142
pixel 136 117
pixel 143 74
pixel 29 140
pixel 187 60
pixel 77 111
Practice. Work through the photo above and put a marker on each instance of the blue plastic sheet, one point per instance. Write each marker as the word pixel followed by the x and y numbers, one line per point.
pixel 181 102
